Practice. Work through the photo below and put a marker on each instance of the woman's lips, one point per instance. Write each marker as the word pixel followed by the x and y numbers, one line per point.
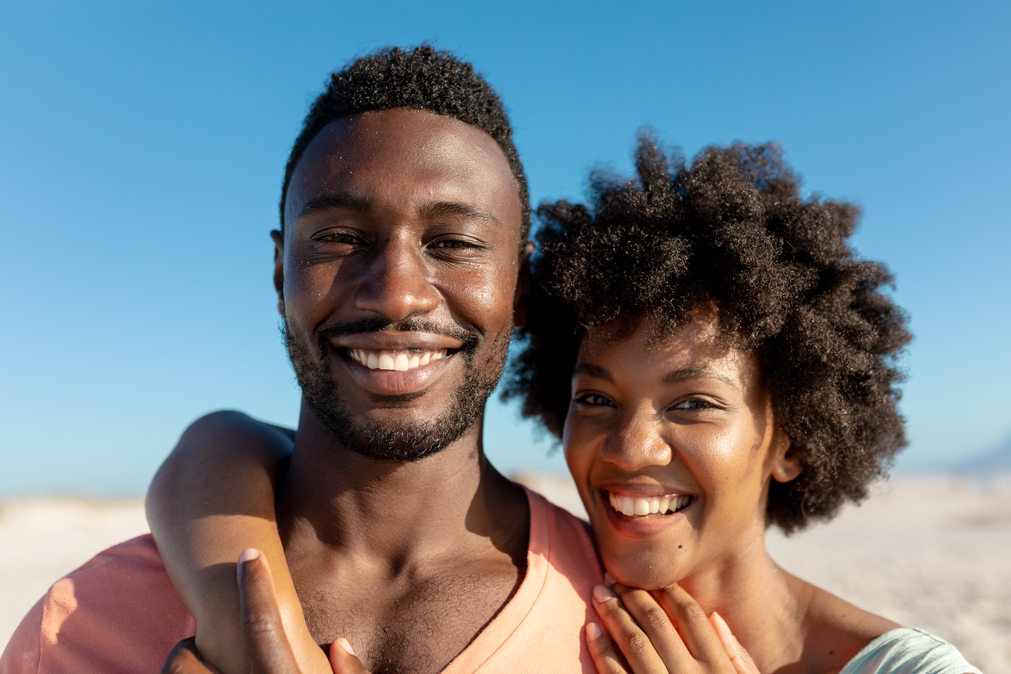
pixel 650 506
pixel 614 505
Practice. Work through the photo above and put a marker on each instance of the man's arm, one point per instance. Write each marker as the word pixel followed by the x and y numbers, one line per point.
pixel 212 498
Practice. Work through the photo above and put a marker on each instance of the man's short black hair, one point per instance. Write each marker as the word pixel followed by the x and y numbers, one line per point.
pixel 421 78
pixel 730 229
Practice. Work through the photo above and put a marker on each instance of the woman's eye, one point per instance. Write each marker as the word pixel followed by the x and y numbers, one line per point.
pixel 593 400
pixel 694 404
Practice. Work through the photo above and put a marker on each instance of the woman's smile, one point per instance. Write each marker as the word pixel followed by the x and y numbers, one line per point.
pixel 671 441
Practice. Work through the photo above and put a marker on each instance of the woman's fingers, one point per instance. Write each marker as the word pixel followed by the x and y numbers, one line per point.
pixel 693 625
pixel 679 632
pixel 634 643
pixel 602 651
pixel 739 657
pixel 184 659
pixel 653 620
pixel 269 649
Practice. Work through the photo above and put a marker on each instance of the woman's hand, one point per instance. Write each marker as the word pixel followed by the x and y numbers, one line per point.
pixel 660 632
pixel 266 642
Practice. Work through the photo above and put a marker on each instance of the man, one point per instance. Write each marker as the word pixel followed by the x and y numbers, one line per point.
pixel 404 218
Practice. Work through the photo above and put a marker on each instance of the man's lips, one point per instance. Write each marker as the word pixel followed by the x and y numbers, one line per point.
pixel 397 341
pixel 396 363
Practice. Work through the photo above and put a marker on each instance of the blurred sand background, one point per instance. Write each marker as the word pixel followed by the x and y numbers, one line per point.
pixel 928 551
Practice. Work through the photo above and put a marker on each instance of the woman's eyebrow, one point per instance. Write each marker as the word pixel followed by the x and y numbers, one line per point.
pixel 594 371
pixel 688 373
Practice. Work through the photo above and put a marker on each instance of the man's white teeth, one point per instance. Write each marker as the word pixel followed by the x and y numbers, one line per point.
pixel 644 507
pixel 402 361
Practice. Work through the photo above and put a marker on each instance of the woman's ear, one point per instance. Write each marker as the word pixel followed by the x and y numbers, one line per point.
pixel 785 467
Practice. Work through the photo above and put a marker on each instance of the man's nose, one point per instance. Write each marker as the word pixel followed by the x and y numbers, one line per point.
pixel 396 283
pixel 637 444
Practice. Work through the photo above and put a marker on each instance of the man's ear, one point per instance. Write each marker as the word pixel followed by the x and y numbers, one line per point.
pixel 523 285
pixel 785 466
pixel 278 238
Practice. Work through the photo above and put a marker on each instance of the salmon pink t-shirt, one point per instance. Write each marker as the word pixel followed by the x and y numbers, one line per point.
pixel 119 612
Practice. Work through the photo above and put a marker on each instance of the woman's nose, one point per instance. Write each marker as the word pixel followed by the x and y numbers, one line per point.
pixel 396 283
pixel 637 444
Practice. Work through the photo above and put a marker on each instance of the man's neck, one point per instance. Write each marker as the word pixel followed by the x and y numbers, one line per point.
pixel 388 508
pixel 376 547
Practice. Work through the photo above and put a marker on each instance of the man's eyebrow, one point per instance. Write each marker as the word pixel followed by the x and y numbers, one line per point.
pixel 328 202
pixel 688 373
pixel 454 208
pixel 594 371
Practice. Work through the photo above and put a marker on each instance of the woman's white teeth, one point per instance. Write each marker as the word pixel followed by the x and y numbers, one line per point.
pixel 400 361
pixel 644 507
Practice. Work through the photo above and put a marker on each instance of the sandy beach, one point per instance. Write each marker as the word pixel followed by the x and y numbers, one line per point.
pixel 931 552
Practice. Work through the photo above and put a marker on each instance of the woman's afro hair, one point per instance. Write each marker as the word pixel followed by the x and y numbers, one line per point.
pixel 421 78
pixel 731 229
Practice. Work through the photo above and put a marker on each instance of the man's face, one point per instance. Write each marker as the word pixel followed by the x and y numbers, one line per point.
pixel 396 277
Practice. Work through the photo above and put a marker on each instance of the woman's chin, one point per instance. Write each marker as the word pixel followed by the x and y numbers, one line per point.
pixel 641 575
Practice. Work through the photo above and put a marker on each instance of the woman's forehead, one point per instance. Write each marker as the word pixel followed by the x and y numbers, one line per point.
pixel 697 345
pixel 702 323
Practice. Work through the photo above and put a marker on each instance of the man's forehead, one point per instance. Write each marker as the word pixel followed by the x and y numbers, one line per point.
pixel 362 153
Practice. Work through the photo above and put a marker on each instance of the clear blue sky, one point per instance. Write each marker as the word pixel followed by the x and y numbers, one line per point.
pixel 142 149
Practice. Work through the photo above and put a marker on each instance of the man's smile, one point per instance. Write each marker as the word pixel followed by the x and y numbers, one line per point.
pixel 397 363
pixel 400 360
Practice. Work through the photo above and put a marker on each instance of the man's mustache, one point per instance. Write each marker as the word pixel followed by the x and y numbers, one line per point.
pixel 332 328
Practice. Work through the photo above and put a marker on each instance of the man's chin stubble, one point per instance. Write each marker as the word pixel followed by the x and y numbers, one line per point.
pixel 402 442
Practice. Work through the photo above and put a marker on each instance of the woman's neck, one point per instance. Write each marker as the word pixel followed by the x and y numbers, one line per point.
pixel 764 606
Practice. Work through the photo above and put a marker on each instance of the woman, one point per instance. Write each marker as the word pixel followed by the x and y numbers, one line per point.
pixel 716 360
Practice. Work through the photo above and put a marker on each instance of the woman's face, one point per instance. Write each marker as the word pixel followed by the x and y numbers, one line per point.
pixel 672 444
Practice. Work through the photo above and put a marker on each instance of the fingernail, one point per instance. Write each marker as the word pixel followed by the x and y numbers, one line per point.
pixel 609 579
pixel 719 619
pixel 593 631
pixel 727 637
pixel 247 555
pixel 602 594
pixel 346 645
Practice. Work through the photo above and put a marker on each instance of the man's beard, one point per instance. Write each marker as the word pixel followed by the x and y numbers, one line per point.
pixel 401 441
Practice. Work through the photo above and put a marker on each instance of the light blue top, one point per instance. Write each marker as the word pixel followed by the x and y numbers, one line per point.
pixel 908 651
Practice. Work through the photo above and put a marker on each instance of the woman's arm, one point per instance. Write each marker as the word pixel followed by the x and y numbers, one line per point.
pixel 211 499
pixel 264 634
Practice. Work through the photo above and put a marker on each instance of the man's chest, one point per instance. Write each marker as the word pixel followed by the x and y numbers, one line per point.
pixel 407 625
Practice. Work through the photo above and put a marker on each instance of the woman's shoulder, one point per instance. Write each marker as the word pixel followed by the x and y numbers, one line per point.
pixel 851 640
pixel 835 630
pixel 908 650
pixel 830 612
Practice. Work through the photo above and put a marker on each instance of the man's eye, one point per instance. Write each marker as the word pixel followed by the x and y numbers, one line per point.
pixel 340 238
pixel 452 243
